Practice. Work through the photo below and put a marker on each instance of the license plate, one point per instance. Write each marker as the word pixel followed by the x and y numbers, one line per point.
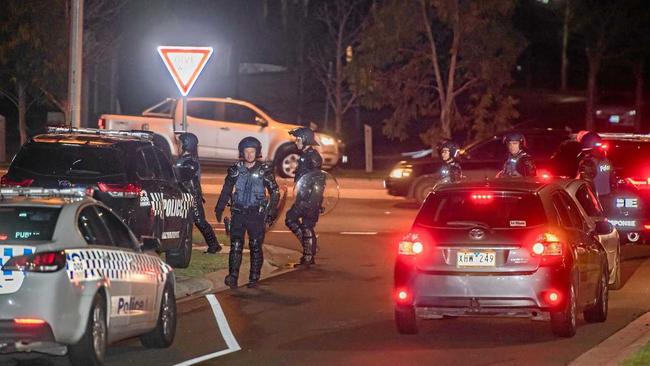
pixel 614 119
pixel 476 258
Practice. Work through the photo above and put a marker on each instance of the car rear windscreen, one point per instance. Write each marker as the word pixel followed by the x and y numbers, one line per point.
pixel 69 160
pixel 489 209
pixel 27 223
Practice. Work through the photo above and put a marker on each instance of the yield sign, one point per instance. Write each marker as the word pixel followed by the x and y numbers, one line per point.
pixel 185 64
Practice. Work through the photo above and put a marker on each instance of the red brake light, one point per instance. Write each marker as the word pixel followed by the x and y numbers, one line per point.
pixel 553 297
pixel 6 182
pixel 482 197
pixel 29 321
pixel 128 190
pixel 544 174
pixel 548 247
pixel 411 244
pixel 38 262
pixel 101 124
pixel 402 296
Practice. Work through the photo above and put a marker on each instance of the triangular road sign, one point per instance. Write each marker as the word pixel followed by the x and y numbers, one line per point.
pixel 185 64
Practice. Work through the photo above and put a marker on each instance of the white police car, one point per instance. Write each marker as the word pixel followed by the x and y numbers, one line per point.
pixel 74 278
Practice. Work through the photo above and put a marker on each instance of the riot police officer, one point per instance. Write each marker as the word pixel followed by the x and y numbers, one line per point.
pixel 250 208
pixel 450 171
pixel 593 165
pixel 189 159
pixel 302 217
pixel 518 163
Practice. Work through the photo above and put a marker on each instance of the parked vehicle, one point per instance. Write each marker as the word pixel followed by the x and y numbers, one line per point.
pixel 415 177
pixel 220 123
pixel 75 278
pixel 515 248
pixel 127 173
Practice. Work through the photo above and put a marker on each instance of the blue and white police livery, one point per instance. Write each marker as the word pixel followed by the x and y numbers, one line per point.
pixel 74 278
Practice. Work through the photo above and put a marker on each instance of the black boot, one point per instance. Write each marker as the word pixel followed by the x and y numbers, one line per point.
pixel 257 259
pixel 307 247
pixel 209 236
pixel 234 262
pixel 231 282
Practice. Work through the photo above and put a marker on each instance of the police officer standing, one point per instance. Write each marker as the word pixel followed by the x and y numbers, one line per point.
pixel 518 163
pixel 249 208
pixel 450 171
pixel 189 159
pixel 302 217
pixel 593 165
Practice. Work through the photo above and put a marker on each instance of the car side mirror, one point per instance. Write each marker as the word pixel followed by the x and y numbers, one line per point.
pixel 261 121
pixel 150 244
pixel 184 173
pixel 604 228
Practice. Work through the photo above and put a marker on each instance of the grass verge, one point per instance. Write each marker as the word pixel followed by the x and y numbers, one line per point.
pixel 641 358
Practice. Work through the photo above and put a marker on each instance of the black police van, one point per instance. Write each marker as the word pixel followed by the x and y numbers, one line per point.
pixel 126 171
pixel 628 207
pixel 414 177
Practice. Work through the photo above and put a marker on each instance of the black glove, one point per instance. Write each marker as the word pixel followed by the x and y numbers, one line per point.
pixel 218 214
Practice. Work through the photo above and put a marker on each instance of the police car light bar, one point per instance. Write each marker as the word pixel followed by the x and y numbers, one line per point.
pixel 620 136
pixel 95 131
pixel 45 192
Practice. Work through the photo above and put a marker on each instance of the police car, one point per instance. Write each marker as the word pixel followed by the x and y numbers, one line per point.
pixel 74 278
pixel 127 172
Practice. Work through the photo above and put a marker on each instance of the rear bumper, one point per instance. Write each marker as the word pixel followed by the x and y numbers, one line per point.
pixel 28 338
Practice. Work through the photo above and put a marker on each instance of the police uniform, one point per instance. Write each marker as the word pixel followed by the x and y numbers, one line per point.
pixel 450 171
pixel 593 165
pixel 302 217
pixel 250 212
pixel 519 165
pixel 189 159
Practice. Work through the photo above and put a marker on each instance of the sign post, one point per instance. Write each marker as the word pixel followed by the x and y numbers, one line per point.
pixel 367 137
pixel 185 65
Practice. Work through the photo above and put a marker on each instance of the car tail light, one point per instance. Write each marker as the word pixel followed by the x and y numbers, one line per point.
pixel 101 124
pixel 553 297
pixel 646 226
pixel 128 190
pixel 38 262
pixel 411 244
pixel 403 296
pixel 544 174
pixel 7 182
pixel 29 321
pixel 548 247
pixel 482 197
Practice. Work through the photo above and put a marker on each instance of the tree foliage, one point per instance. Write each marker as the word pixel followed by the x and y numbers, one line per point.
pixel 448 62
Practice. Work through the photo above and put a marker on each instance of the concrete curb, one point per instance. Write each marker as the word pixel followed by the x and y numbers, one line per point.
pixel 620 346
pixel 277 261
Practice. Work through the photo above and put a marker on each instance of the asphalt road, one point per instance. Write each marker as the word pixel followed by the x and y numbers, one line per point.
pixel 339 312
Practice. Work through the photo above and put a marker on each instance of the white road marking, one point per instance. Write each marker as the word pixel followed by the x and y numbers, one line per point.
pixel 358 233
pixel 226 333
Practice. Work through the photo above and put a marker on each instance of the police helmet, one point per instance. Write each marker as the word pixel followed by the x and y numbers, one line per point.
pixel 306 134
pixel 515 136
pixel 448 144
pixel 590 140
pixel 247 142
pixel 189 142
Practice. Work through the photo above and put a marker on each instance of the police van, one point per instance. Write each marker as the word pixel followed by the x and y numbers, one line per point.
pixel 101 284
pixel 126 171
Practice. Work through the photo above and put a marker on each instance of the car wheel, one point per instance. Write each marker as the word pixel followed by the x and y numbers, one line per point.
pixel 181 256
pixel 286 161
pixel 422 189
pixel 616 284
pixel 91 348
pixel 406 321
pixel 563 322
pixel 598 312
pixel 163 335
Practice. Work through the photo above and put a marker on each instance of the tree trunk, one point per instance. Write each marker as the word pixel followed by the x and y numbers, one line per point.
pixel 638 100
pixel 22 112
pixel 338 87
pixel 592 89
pixel 565 45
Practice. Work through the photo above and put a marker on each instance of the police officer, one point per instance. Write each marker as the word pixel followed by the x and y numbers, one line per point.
pixel 250 209
pixel 518 163
pixel 190 159
pixel 450 171
pixel 302 217
pixel 593 165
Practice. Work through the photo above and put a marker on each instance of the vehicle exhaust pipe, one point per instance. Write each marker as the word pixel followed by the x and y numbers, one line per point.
pixel 633 237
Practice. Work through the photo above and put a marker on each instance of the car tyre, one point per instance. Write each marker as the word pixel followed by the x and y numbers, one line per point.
pixel 285 161
pixel 422 188
pixel 564 322
pixel 406 321
pixel 91 348
pixel 181 256
pixel 163 335
pixel 598 312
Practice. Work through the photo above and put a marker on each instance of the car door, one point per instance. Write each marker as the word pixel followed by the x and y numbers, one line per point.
pixel 177 204
pixel 204 120
pixel 100 254
pixel 140 304
pixel 484 159
pixel 151 217
pixel 593 209
pixel 241 121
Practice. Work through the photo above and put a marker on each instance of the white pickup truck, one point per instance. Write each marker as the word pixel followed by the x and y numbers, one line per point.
pixel 220 123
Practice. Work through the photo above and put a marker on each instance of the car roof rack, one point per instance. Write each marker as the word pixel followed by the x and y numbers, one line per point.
pixel 6 192
pixel 111 133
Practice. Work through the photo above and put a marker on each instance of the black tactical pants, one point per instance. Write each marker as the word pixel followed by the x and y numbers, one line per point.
pixel 251 223
pixel 202 224
pixel 301 220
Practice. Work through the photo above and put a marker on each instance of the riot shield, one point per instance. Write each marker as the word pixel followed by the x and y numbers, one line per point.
pixel 317 189
pixel 281 204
